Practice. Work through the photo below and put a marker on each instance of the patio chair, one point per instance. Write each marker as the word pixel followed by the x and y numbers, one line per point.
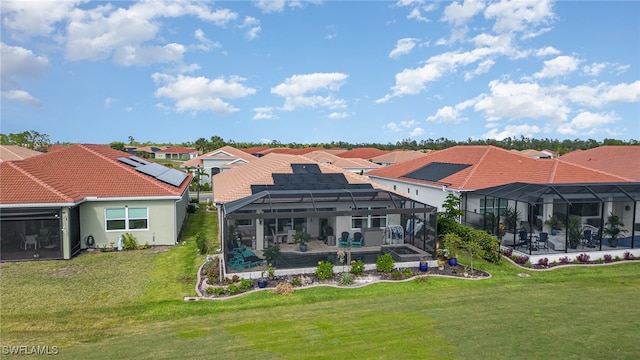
pixel 358 240
pixel 543 241
pixel 524 240
pixel 586 238
pixel 237 262
pixel 345 239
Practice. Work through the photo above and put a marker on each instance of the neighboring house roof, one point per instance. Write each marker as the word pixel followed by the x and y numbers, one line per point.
pixel 254 150
pixel 535 154
pixel 225 153
pixel 236 183
pixel 623 161
pixel 323 156
pixel 398 156
pixel 363 153
pixel 149 149
pixel 478 167
pixel 15 152
pixel 177 150
pixel 290 151
pixel 77 172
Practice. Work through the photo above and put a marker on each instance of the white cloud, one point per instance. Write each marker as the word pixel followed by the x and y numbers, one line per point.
pixel 297 88
pixel 449 114
pixel 205 43
pixel 588 120
pixel 459 14
pixel 273 6
pixel 200 93
pixel 594 69
pixel 403 47
pixel 263 113
pixel 598 95
pixel 482 68
pixel 18 62
pixel 34 18
pixel 21 96
pixel 253 26
pixel 392 126
pixel 520 16
pixel 108 101
pixel 549 50
pixel 561 65
pixel 99 32
pixel 416 132
pixel 512 131
pixel 338 115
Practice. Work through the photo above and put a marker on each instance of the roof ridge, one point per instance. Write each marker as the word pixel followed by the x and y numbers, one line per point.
pixel 36 179
pixel 474 167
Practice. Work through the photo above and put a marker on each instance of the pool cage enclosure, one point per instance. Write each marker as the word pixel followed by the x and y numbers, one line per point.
pixel 589 203
pixel 342 209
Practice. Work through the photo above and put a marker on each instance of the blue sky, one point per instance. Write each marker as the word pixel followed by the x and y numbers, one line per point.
pixel 320 71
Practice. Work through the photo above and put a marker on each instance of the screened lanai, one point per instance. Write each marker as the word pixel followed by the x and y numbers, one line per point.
pixel 547 218
pixel 271 217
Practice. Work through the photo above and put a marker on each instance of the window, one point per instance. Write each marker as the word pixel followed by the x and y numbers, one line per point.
pixel 363 221
pixel 360 221
pixel 244 222
pixel 489 205
pixel 127 219
pixel 416 191
pixel 378 221
pixel 585 209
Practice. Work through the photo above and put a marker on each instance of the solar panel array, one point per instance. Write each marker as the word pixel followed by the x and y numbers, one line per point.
pixel 167 175
pixel 308 177
pixel 436 171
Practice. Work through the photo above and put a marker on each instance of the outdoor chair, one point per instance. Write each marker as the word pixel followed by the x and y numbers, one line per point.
pixel 345 239
pixel 358 240
pixel 543 241
pixel 586 238
pixel 238 262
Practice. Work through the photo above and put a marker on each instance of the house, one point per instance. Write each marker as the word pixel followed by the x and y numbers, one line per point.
pixel 15 152
pixel 55 204
pixel 177 153
pixel 398 156
pixel 491 180
pixel 366 153
pixel 267 201
pixel 356 165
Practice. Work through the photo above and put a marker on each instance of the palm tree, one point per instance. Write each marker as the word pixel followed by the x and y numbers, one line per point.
pixel 613 229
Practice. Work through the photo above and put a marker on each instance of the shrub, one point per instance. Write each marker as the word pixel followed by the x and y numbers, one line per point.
pixel 202 243
pixel 219 291
pixel 600 261
pixel 407 272
pixel 324 270
pixel 528 264
pixel 271 272
pixel 583 258
pixel 128 241
pixel 246 284
pixel 618 258
pixel 385 263
pixel 357 267
pixel 508 252
pixel 346 279
pixel 283 289
pixel 235 278
pixel 296 281
pixel 191 208
pixel 488 244
pixel 608 258
pixel 212 271
pixel 396 275
pixel 543 262
pixel 209 290
pixel 564 260
pixel 233 289
pixel 522 259
pixel 628 256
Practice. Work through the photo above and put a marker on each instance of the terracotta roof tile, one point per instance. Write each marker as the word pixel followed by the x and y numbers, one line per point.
pixel 623 161
pixel 177 150
pixel 322 156
pixel 15 152
pixel 366 153
pixel 398 156
pixel 76 172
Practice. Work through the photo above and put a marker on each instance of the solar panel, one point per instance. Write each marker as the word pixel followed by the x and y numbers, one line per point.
pixel 129 161
pixel 140 160
pixel 152 169
pixel 172 177
pixel 436 171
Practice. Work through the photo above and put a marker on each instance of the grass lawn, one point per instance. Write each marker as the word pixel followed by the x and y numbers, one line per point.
pixel 129 305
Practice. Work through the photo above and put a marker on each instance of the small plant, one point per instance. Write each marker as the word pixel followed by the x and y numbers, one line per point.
pixel 246 284
pixel 576 261
pixel 283 289
pixel 396 274
pixel 385 263
pixel 555 263
pixel 600 261
pixel 508 252
pixel 514 257
pixel 211 270
pixel 218 291
pixel 209 290
pixel 407 273
pixel 324 270
pixel 421 279
pixel 128 241
pixel 543 262
pixel 346 279
pixel 271 253
pixel 618 258
pixel 233 289
pixel 583 258
pixel 357 267
pixel 528 264
pixel 271 272
pixel 301 238
pixel 628 256
pixel 201 242
pixel 296 281
pixel 522 259
pixel 235 278
pixel 564 260
pixel 608 258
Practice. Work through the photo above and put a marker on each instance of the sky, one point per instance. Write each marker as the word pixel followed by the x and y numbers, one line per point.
pixel 320 71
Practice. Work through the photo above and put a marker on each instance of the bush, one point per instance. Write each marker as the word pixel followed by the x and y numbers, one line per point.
pixel 357 267
pixel 283 289
pixel 346 279
pixel 522 259
pixel 212 271
pixel 396 274
pixel 233 289
pixel 628 256
pixel 407 273
pixel 583 258
pixel 385 263
pixel 564 260
pixel 543 262
pixel 246 284
pixel 296 281
pixel 608 258
pixel 209 290
pixel 508 252
pixel 489 244
pixel 219 291
pixel 324 270
pixel 129 241
pixel 202 243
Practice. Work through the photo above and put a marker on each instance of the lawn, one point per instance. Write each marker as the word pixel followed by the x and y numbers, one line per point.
pixel 129 305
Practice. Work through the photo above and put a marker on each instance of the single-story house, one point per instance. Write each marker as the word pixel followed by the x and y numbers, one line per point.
pixel 177 153
pixel 268 201
pixel 219 160
pixel 55 204
pixel 350 164
pixel 398 156
pixel 492 182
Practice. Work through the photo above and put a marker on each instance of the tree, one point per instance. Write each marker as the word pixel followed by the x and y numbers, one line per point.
pixel 451 208
pixel 117 145
pixel 30 139
pixel 132 141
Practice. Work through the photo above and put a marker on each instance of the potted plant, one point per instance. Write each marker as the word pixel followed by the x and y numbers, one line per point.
pixel 554 224
pixel 272 253
pixel 574 231
pixel 424 265
pixel 613 229
pixel 512 218
pixel 302 238
pixel 262 282
pixel 443 255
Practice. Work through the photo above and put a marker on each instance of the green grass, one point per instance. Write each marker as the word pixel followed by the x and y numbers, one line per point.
pixel 130 305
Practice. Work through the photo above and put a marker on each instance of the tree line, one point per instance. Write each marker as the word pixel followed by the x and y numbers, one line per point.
pixel 37 141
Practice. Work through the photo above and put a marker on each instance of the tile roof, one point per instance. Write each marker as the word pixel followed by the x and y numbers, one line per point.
pixel 290 151
pixel 15 152
pixel 177 150
pixel 225 152
pixel 366 153
pixel 623 161
pixel 236 183
pixel 322 156
pixel 76 172
pixel 398 156
pixel 492 166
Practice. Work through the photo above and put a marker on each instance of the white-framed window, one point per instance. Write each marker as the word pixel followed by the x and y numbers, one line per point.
pixel 126 219
pixel 360 221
